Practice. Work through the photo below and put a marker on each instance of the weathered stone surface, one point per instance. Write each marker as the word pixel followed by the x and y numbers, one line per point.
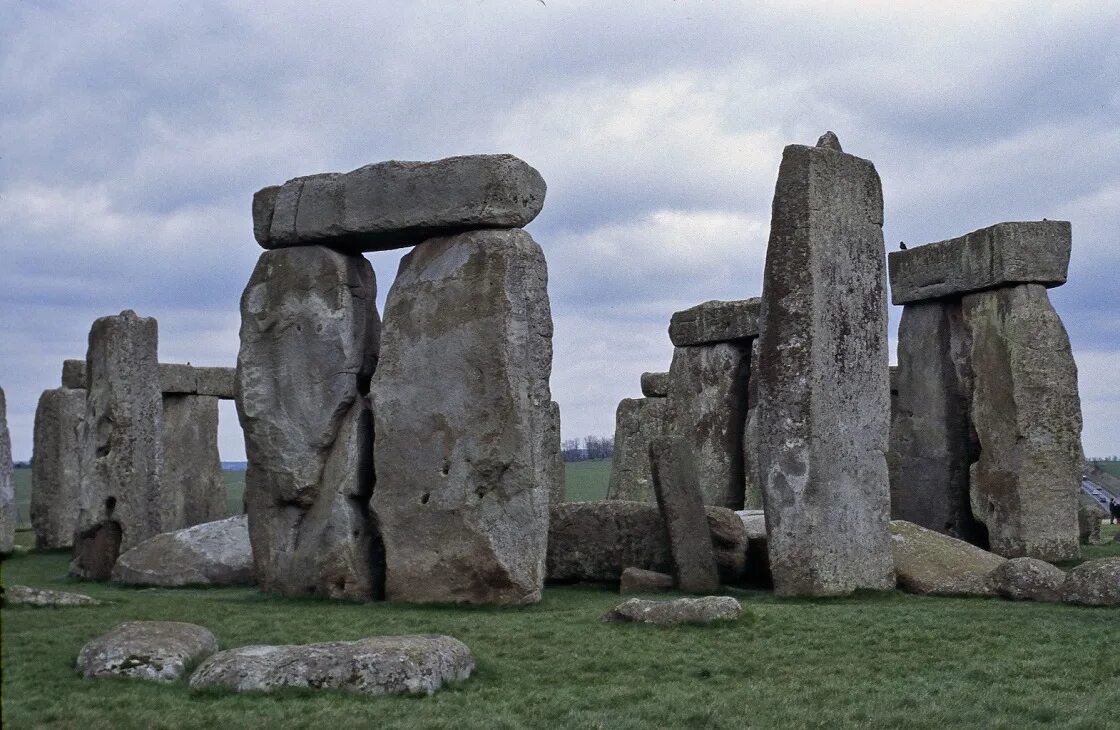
pixel 931 562
pixel 637 422
pixel 1089 516
pixel 1001 255
pixel 8 516
pixel 217 382
pixel 708 412
pixel 177 378
pixel 636 580
pixel 655 385
pixel 554 456
pixel 74 374
pixel 43 598
pixel 462 405
pixel 1027 579
pixel 757 566
pixel 121 501
pixel 678 611
pixel 752 489
pixel 378 665
pixel 309 335
pixel 191 464
pixel 596 541
pixel 1093 583
pixel 55 466
pixel 215 553
pixel 715 321
pixel 1027 415
pixel 173 378
pixel 932 443
pixel 682 509
pixel 396 204
pixel 823 380
pixel 161 651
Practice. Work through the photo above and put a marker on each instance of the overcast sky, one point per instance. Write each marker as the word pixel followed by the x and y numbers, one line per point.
pixel 133 135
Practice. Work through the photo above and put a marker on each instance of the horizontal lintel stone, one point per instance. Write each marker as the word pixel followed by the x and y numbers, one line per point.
pixel 715 321
pixel 177 378
pixel 655 385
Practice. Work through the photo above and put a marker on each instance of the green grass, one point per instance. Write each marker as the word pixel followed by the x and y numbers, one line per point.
pixel 1112 467
pixel 587 480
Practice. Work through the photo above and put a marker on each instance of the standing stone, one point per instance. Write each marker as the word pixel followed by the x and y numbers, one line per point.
pixel 191 465
pixel 931 441
pixel 823 378
pixel 309 339
pixel 637 422
pixel 56 467
pixel 1027 416
pixel 461 401
pixel 7 489
pixel 121 500
pixel 752 492
pixel 682 508
pixel 554 456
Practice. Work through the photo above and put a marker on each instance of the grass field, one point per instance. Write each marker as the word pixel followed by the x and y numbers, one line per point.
pixel 1112 467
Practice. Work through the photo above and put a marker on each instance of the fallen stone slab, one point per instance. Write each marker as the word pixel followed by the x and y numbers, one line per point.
pixel 929 562
pixel 682 509
pixel 397 204
pixel 655 385
pixel 715 321
pixel 160 651
pixel 637 422
pixel 214 553
pixel 8 515
pixel 705 610
pixel 378 665
pixel 55 467
pixel 1027 579
pixel 1093 583
pixel 637 580
pixel 43 598
pixel 1029 252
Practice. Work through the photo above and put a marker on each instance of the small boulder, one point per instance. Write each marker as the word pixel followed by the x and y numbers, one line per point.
pixel 702 610
pixel 1027 579
pixel 1089 516
pixel 213 553
pixel 1094 583
pixel 43 598
pixel 928 562
pixel 375 666
pixel 160 651
pixel 636 580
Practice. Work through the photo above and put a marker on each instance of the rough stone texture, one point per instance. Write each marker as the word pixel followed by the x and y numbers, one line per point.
pixel 932 443
pixel 177 378
pixel 43 598
pixel 121 501
pixel 396 204
pixel 596 541
pixel 554 456
pixel 8 516
pixel 378 665
pixel 161 651
pixel 637 422
pixel 678 611
pixel 55 466
pixel 1093 583
pixel 1027 579
pixel 74 374
pixel 217 382
pixel 462 406
pixel 1027 416
pixel 715 321
pixel 682 509
pixel 636 580
pixel 309 339
pixel 752 490
pixel 1089 516
pixel 655 385
pixel 757 570
pixel 931 562
pixel 173 378
pixel 1000 255
pixel 191 464
pixel 823 379
pixel 214 553
pixel 708 412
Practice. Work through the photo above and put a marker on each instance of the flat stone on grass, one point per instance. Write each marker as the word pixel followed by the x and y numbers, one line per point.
pixel 703 610
pixel 1094 583
pixel 160 651
pixel 43 598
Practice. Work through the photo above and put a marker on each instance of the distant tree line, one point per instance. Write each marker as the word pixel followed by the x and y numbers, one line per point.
pixel 592 447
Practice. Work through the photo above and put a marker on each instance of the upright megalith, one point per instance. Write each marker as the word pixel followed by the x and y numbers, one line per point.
pixel 460 401
pixel 56 466
pixel 676 483
pixel 637 422
pixel 823 378
pixel 309 342
pixel 7 488
pixel 122 500
pixel 554 456
pixel 191 464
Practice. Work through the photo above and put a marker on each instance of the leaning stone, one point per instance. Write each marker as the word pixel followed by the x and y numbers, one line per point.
pixel 309 333
pixel 929 562
pixel 715 321
pixel 682 509
pixel 1006 254
pixel 637 422
pixel 1089 516
pixel 191 464
pixel 1093 583
pixel 462 405
pixel 122 501
pixel 218 382
pixel 636 580
pixel 397 204
pixel 1027 415
pixel 74 374
pixel 1027 579
pixel 655 385
pixel 177 378
pixel 55 467
pixel 379 665
pixel 43 598
pixel 705 610
pixel 214 553
pixel 824 397
pixel 8 516
pixel 161 651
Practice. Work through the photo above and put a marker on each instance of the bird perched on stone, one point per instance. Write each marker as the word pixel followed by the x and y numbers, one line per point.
pixel 902 245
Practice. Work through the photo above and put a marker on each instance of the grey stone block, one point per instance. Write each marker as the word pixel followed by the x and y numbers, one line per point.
pixel 715 321
pixel 191 465
pixel 177 378
pixel 7 488
pixel 56 466
pixel 637 422
pixel 682 508
pixel 217 382
pixel 74 374
pixel 655 385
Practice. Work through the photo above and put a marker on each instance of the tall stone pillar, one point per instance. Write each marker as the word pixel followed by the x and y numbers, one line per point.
pixel 191 464
pixel 7 489
pixel 823 377
pixel 56 466
pixel 637 422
